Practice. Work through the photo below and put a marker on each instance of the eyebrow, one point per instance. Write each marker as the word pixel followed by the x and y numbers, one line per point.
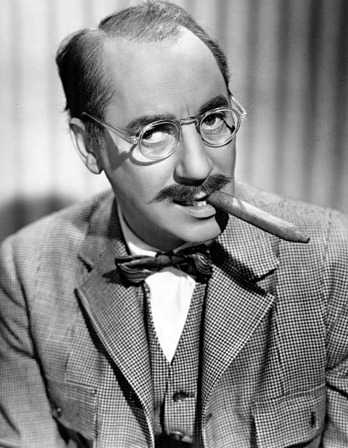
pixel 214 103
pixel 139 123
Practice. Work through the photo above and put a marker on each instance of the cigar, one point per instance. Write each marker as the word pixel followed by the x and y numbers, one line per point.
pixel 257 217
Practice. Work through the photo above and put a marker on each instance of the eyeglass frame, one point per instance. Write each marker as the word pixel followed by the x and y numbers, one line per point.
pixel 135 140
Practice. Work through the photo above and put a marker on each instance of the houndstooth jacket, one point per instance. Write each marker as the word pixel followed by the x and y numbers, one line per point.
pixel 74 360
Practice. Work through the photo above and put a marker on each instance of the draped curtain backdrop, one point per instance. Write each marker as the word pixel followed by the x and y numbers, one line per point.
pixel 288 61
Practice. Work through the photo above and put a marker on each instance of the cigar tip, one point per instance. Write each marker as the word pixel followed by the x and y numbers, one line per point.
pixel 296 235
pixel 304 239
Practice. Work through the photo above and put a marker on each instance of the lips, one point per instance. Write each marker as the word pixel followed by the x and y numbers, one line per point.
pixel 198 201
pixel 198 208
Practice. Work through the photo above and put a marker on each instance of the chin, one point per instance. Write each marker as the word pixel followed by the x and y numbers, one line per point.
pixel 203 233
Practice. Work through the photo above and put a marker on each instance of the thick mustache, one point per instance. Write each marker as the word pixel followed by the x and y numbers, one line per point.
pixel 187 193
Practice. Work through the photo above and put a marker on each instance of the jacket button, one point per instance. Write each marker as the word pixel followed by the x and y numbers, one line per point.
pixel 208 417
pixel 134 400
pixel 177 435
pixel 180 396
pixel 57 412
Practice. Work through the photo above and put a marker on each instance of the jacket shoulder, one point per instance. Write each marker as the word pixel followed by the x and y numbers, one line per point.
pixel 320 264
pixel 59 235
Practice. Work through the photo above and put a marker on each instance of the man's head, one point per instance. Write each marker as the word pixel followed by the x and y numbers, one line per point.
pixel 79 58
pixel 148 63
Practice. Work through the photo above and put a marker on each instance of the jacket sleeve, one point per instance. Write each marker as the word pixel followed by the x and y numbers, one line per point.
pixel 25 414
pixel 336 291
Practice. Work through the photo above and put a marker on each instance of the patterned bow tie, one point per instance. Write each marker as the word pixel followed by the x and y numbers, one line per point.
pixel 195 261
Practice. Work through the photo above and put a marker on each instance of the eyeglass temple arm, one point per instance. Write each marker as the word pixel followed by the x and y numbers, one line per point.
pixel 241 110
pixel 121 133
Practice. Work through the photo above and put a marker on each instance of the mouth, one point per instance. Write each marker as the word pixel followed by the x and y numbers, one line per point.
pixel 198 207
pixel 197 201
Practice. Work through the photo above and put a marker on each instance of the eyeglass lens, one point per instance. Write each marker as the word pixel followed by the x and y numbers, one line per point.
pixel 217 126
pixel 160 139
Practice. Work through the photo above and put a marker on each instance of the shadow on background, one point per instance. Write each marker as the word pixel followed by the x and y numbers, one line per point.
pixel 22 211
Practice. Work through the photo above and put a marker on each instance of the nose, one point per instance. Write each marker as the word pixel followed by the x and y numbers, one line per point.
pixel 193 161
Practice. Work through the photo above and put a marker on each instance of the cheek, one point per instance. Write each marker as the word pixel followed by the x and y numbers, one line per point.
pixel 113 155
pixel 140 184
pixel 129 176
pixel 224 159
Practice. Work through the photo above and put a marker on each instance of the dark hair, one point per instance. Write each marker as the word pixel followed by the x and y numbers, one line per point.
pixel 86 85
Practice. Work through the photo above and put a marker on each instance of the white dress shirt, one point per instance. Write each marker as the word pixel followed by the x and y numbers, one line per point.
pixel 171 291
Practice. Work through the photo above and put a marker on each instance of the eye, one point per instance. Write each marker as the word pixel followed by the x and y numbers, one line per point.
pixel 216 121
pixel 212 119
pixel 158 140
pixel 154 135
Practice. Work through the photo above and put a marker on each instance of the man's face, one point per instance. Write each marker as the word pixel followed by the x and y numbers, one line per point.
pixel 172 78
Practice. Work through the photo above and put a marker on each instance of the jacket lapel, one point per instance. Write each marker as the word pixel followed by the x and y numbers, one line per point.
pixel 115 310
pixel 236 304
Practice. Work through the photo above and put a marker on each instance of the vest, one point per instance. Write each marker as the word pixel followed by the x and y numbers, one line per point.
pixel 176 385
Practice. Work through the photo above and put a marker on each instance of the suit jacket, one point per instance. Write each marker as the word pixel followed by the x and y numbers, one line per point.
pixel 74 358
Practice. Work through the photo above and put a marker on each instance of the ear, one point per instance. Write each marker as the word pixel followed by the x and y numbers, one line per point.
pixel 84 145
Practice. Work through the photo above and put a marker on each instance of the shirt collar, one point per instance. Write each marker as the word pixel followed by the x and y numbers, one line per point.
pixel 135 245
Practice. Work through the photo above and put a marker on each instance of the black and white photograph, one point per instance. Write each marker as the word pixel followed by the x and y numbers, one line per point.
pixel 174 224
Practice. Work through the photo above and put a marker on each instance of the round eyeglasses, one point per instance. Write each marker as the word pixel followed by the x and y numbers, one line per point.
pixel 158 140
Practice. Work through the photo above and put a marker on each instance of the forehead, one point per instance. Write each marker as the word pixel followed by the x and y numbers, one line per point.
pixel 173 76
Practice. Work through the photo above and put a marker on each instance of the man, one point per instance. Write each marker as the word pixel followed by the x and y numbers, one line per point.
pixel 249 351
